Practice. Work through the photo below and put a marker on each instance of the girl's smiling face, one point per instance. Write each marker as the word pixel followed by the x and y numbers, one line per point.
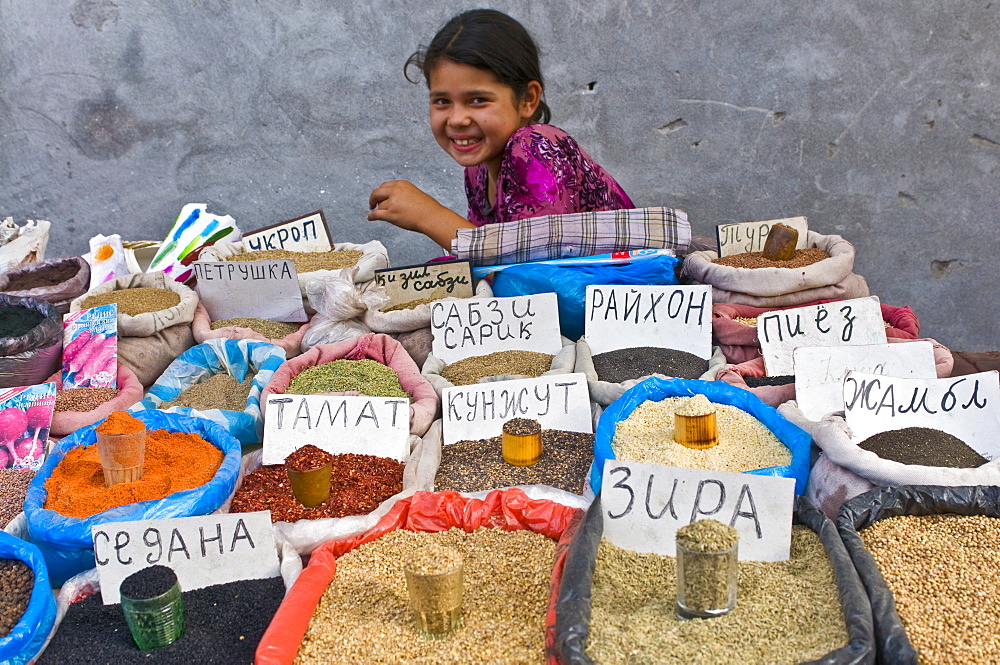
pixel 473 115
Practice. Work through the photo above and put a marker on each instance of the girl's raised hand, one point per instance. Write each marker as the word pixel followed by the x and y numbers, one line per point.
pixel 403 204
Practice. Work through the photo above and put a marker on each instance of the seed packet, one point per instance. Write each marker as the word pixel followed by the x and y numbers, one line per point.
pixel 25 417
pixel 90 348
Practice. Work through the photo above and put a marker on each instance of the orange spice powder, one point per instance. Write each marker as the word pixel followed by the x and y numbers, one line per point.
pixel 175 461
pixel 121 422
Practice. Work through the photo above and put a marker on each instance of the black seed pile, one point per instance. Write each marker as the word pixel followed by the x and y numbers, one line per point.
pixel 628 364
pixel 16 582
pixel 222 624
pixel 148 583
pixel 758 381
pixel 925 446
pixel 476 465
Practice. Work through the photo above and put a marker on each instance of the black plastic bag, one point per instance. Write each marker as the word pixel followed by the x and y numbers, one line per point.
pixel 573 605
pixel 865 509
pixel 56 281
pixel 34 356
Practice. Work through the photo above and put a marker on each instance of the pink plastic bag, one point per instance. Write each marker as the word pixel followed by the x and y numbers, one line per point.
pixel 201 328
pixel 130 391
pixel 373 346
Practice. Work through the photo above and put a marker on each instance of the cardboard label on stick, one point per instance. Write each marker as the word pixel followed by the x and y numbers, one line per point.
pixel 666 317
pixel 480 326
pixel 337 424
pixel 643 505
pixel 256 289
pixel 446 279
pixel 820 370
pixel 479 411
pixel 967 407
pixel 744 237
pixel 841 323
pixel 203 551
pixel 302 234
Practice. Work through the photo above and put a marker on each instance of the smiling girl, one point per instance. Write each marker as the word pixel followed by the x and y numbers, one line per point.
pixel 487 111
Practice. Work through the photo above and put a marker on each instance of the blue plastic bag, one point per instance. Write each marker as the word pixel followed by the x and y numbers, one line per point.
pixel 235 357
pixel 30 632
pixel 67 543
pixel 797 440
pixel 569 282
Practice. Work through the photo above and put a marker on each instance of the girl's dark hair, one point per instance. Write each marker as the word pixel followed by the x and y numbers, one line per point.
pixel 487 39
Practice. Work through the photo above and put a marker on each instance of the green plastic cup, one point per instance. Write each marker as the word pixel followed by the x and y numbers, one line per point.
pixel 155 622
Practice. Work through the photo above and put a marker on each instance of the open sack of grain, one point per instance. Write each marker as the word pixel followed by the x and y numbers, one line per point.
pixel 624 368
pixel 27 606
pixel 901 457
pixel 385 369
pixel 31 342
pixel 288 336
pixel 498 366
pixel 221 380
pixel 56 281
pixel 828 278
pixel 929 557
pixel 513 549
pixel 79 407
pixel 154 320
pixel 618 606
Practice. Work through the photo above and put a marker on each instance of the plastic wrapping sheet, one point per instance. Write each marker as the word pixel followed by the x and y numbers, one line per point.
pixel 793 437
pixel 236 357
pixel 893 646
pixel 26 638
pixel 572 623
pixel 67 543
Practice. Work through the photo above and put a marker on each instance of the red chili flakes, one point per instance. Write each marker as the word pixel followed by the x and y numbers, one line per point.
pixel 358 484
pixel 308 458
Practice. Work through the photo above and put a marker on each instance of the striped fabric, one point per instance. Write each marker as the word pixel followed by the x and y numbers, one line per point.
pixel 573 235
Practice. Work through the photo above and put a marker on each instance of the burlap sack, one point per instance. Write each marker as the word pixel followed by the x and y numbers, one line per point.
pixel 373 346
pixel 562 363
pixel 771 282
pixel 147 343
pixel 604 393
pixel 739 341
pixel 201 328
pixel 417 343
pixel 409 320
pixel 846 466
pixel 374 257
pixel 70 276
pixel 130 391
pixel 852 286
pixel 736 374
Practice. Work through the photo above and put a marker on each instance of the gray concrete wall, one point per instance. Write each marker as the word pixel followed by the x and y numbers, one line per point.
pixel 879 121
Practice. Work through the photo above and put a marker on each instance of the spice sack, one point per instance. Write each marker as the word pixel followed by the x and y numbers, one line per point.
pixel 28 635
pixel 56 281
pixel 239 358
pixel 27 358
pixel 150 341
pixel 67 422
pixel 201 328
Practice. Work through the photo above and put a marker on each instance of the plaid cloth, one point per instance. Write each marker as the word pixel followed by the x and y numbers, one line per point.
pixel 572 235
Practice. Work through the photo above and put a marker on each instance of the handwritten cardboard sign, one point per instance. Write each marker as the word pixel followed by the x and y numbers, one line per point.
pixel 744 237
pixel 666 317
pixel 90 348
pixel 446 279
pixel 203 551
pixel 258 289
pixel 480 326
pixel 841 323
pixel 337 424
pixel 25 419
pixel 644 504
pixel 302 234
pixel 479 411
pixel 967 407
pixel 820 370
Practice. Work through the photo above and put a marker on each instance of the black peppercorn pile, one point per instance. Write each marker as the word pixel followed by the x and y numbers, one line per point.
pixel 634 363
pixel 222 624
pixel 477 465
pixel 925 446
pixel 16 581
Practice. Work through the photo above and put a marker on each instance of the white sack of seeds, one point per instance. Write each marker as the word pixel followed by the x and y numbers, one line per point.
pixel 604 393
pixel 305 535
pixel 562 363
pixel 846 468
pixel 408 320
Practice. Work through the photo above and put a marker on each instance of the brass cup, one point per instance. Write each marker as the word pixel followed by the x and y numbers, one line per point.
pixel 312 487
pixel 698 432
pixel 522 446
